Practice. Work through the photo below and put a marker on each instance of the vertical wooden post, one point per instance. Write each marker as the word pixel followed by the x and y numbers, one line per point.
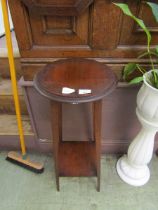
pixel 97 110
pixel 57 133
pixel 60 122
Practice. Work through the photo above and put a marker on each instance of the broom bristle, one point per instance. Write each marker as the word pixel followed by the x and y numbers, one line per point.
pixel 17 159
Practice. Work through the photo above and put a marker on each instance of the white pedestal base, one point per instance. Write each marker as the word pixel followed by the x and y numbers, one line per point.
pixel 133 167
pixel 136 176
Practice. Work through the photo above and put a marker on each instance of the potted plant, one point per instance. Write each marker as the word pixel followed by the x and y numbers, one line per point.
pixel 132 168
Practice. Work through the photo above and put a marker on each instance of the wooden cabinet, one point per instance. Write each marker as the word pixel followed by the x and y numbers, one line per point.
pixel 51 29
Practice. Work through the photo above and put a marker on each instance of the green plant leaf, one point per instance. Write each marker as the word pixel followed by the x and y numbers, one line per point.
pixel 124 8
pixel 136 80
pixel 126 11
pixel 129 68
pixel 154 8
pixel 156 49
pixel 155 74
pixel 153 79
pixel 156 83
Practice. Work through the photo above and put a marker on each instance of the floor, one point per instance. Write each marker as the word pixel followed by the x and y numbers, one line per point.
pixel 21 189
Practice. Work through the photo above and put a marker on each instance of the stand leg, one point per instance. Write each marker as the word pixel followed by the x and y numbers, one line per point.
pixel 57 132
pixel 97 109
pixel 60 122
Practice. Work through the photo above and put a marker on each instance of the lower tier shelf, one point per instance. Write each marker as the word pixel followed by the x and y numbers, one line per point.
pixel 77 159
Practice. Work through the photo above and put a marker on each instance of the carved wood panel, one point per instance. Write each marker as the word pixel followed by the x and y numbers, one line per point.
pixel 55 7
pixel 101 31
pixel 59 31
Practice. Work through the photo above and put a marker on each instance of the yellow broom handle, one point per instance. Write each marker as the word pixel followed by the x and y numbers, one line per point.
pixel 13 74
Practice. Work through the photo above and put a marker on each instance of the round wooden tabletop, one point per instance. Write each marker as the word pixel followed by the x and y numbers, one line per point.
pixel 75 81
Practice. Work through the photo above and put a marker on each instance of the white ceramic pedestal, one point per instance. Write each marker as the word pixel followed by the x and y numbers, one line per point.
pixel 132 168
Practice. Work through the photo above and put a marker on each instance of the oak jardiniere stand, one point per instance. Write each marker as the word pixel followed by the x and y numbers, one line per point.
pixel 76 81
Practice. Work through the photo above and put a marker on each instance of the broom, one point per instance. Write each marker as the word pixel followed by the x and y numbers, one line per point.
pixel 14 157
